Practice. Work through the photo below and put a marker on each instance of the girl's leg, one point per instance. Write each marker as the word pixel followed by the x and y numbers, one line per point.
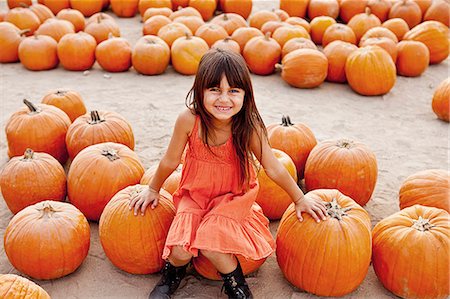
pixel 224 262
pixel 179 257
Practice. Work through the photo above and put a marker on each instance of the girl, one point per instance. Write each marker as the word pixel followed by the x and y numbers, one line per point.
pixel 218 188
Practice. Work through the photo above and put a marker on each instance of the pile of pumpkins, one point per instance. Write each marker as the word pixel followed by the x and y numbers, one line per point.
pixel 376 40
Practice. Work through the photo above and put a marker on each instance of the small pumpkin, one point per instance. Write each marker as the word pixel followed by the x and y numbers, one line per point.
pixel 20 287
pixel 318 27
pixel 258 18
pixel 441 100
pixel 295 8
pixel 38 53
pixel 380 8
pixel 150 55
pixel 185 11
pixel 362 22
pixel 297 43
pixel 244 34
pixel 76 51
pixel 317 8
pixel 230 22
pixel 18 3
pixel 412 58
pixel 211 33
pixel 156 11
pixel 23 18
pixel 154 23
pixel 339 32
pixel 438 11
pixel 407 10
pixel 383 42
pixel 191 22
pixel 227 44
pixel 42 12
pixel 398 26
pixel 300 22
pixel 205 7
pixel 379 32
pixel 262 53
pixel 350 8
pixel 172 31
pixel 124 8
pixel 102 28
pixel 114 54
pixel 73 16
pixel 68 101
pixel 186 53
pixel 55 28
pixel 145 4
pixel 56 5
pixel 285 33
pixel 337 53
pixel 10 38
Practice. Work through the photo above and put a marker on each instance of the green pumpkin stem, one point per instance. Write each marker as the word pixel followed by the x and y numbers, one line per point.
pixel 335 210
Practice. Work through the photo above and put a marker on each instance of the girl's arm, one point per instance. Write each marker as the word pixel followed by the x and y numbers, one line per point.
pixel 278 173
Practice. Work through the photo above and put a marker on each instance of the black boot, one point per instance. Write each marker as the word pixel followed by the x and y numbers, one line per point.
pixel 235 285
pixel 169 282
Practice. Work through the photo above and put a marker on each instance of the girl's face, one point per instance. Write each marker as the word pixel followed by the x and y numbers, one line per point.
pixel 223 101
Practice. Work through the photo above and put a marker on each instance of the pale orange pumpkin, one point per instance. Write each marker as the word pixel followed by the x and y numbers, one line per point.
pixel 407 10
pixel 412 58
pixel 383 42
pixel 124 8
pixel 114 54
pixel 10 38
pixel 205 7
pixel 76 51
pixel 42 12
pixel 102 28
pixel 73 16
pixel 297 43
pixel 398 26
pixel 271 26
pixel 227 44
pixel 38 53
pixel 99 15
pixel 285 33
pixel 337 53
pixel 98 172
pixel 146 4
pixel 362 22
pixel 31 178
pixel 191 22
pixel 55 28
pixel 171 184
pixel 240 7
pixel 134 243
pixel 172 31
pixel 410 252
pixel 258 18
pixel 68 101
pixel 350 8
pixel 281 14
pixel 23 18
pixel 56 5
pixel 40 127
pixel 154 23
pixel 318 27
pixel 380 8
pixel 317 8
pixel 295 8
pixel 150 55
pixel 20 287
pixel 306 251
pixel 185 11
pixel 186 53
pixel 244 34
pixel 211 33
pixel 441 100
pixel 156 11
pixel 370 71
pixel 300 22
pixel 261 54
pixel 346 165
pixel 379 32
pixel 230 22
pixel 339 32
pixel 47 240
pixel 438 11
pixel 87 8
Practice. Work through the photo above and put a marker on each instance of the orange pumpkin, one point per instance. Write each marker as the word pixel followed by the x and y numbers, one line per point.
pixel 438 11
pixel 20 287
pixel 10 38
pixel 179 3
pixel 186 53
pixel 170 184
pixel 362 22
pixel 398 26
pixel 18 3
pixel 211 33
pixel 350 8
pixel 186 11
pixel 38 53
pixel 318 27
pixel 42 12
pixel 244 34
pixel 191 22
pixel 73 16
pixel 380 8
pixel 150 55
pixel 428 188
pixel 76 51
pixel 23 18
pixel 114 54
pixel 295 8
pixel 205 7
pixel 145 4
pixel 240 7
pixel 407 10
pixel 154 23
pixel 306 251
pixel 339 32
pixel 68 101
pixel 40 127
pixel 227 44
pixel 297 43
pixel 317 8
pixel 281 14
pixel 258 18
pixel 285 33
pixel 441 100
pixel 230 22
pixel 172 31
pixel 304 68
pixel 156 11
pixel 370 71
pixel 271 197
pixel 424 5
pixel 98 172
pixel 47 240
pixel 55 28
pixel 56 5
pixel 97 127
pixel 383 42
pixel 337 53
pixel 349 166
pixel 379 32
pixel 271 26
pixel 410 252
pixel 412 58
pixel 99 15
pixel 32 178
pixel 300 22
pixel 134 243
pixel 102 28
pixel 261 54
pixel 435 36
pixel 124 8
pixel 87 8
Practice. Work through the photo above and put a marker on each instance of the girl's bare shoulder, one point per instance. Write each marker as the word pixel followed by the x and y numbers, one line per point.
pixel 186 120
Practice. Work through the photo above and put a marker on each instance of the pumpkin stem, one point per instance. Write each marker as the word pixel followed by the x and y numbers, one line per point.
pixel 111 154
pixel 28 155
pixel 345 143
pixel 368 11
pixel 279 66
pixel 225 17
pixel 47 210
pixel 335 210
pixel 283 121
pixel 288 120
pixel 61 92
pixel 95 118
pixel 267 36
pixel 422 225
pixel 31 106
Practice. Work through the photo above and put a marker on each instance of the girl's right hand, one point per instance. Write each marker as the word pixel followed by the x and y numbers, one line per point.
pixel 141 200
pixel 316 208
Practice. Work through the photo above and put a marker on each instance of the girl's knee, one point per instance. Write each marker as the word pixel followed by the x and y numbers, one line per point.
pixel 214 254
pixel 179 253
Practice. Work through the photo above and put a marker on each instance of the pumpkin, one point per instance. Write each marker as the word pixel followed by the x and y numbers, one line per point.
pixel 124 8
pixel 102 28
pixel 410 252
pixel 412 58
pixel 380 8
pixel 261 54
pixel 99 15
pixel 20 287
pixel 383 42
pixel 211 33
pixel 191 22
pixel 55 28
pixel 304 68
pixel 186 53
pixel 337 53
pixel 435 36
pixel 179 3
pixel 156 11
pixel 318 27
pixel 362 22
pixel 23 18
pixel 38 53
pixel 97 127
pixel 68 101
pixel 295 8
pixel 10 38
pixel 18 3
pixel 424 5
pixel 145 4
pixel 350 8
pixel 244 34
pixel 31 178
pixel 114 54
pixel 154 23
pixel 398 26
pixel 73 16
pixel 205 7
pixel 47 240
pixel 307 251
pixel 150 55
pixel 299 21
pixel 76 51
pixel 346 165
pixel 87 8
pixel 377 32
pixel 258 18
pixel 56 5
pixel 339 32
pixel 134 243
pixel 40 127
pixel 407 10
pixel 171 32
pixel 186 11
pixel 428 188
pixel 271 26
pixel 42 12
pixel 170 184
pixel 230 22
pixel 317 8
pixel 285 33
pixel 98 172
pixel 281 14
pixel 227 44
pixel 297 43
pixel 240 7
pixel 370 71
pixel 438 11
pixel 441 100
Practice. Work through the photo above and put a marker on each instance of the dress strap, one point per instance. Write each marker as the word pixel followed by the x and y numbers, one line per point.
pixel 194 132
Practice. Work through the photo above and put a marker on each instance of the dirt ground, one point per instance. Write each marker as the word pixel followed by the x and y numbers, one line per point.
pixel 399 127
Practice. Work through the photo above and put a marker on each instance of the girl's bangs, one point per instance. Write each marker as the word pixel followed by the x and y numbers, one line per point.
pixel 224 66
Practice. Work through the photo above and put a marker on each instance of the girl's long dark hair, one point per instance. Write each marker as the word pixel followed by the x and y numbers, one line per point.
pixel 213 65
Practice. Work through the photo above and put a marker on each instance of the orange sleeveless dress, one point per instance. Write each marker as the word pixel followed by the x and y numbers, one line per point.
pixel 213 213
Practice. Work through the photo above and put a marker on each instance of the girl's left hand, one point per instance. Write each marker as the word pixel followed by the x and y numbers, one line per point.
pixel 316 208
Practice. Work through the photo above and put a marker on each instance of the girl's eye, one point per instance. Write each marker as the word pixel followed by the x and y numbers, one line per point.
pixel 214 89
pixel 234 90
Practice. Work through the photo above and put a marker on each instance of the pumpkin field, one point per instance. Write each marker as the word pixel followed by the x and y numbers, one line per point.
pixel 366 126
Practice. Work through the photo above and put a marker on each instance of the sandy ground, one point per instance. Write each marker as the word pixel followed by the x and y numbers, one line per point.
pixel 399 127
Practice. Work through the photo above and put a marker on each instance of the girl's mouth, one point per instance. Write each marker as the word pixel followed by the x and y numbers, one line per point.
pixel 223 109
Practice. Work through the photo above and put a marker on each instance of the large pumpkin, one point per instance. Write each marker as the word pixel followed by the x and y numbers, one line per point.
pixel 97 127
pixel 441 100
pixel 410 252
pixel 171 184
pixel 47 240
pixel 186 53
pixel 370 71
pixel 68 101
pixel 23 18
pixel 428 188
pixel 98 172
pixel 134 243
pixel 32 178
pixel 412 58
pixel 240 7
pixel 296 140
pixel 330 258
pixel 13 286
pixel 40 127
pixel 349 166
pixel 38 53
